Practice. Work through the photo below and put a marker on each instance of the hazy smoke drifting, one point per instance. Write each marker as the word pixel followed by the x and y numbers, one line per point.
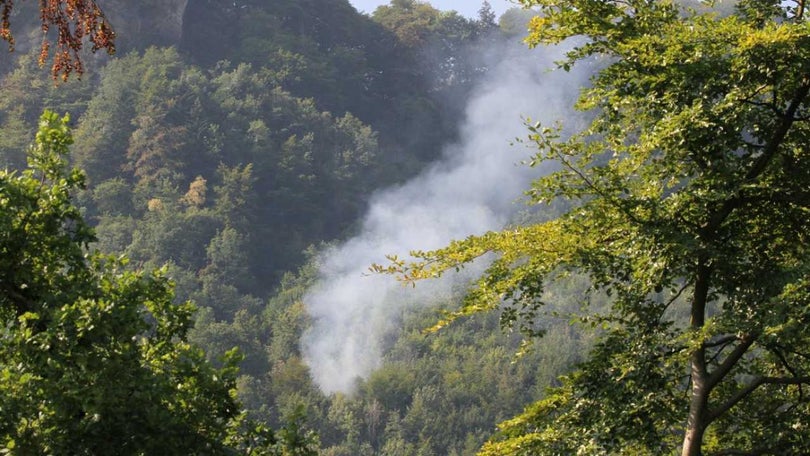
pixel 473 189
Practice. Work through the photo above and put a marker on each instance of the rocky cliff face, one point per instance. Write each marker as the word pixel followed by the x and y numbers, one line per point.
pixel 145 23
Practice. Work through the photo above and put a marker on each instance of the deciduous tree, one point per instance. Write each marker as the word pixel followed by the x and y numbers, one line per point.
pixel 689 206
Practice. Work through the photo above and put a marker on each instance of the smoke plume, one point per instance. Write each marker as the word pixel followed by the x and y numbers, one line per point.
pixel 475 187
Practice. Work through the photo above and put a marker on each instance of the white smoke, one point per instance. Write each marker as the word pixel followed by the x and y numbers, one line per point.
pixel 474 188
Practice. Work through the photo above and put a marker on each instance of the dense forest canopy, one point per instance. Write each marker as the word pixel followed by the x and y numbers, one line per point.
pixel 650 299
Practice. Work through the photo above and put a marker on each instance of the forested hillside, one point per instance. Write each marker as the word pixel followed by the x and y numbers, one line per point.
pixel 231 159
pixel 310 117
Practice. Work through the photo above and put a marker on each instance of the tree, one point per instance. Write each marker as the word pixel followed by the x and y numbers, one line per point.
pixel 688 196
pixel 94 359
pixel 73 21
pixel 411 20
pixel 514 21
pixel 487 18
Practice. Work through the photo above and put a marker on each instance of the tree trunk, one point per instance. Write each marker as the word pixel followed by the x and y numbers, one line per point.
pixel 696 422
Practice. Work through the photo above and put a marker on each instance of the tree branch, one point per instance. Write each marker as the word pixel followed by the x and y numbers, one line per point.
pixel 719 351
pixel 780 132
pixel 768 105
pixel 761 163
pixel 721 341
pixel 782 359
pixel 731 360
pixel 674 298
pixel 792 351
pixel 744 392
pixel 598 190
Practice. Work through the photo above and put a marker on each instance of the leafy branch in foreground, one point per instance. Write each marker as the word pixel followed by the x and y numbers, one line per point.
pixel 73 21
pixel 690 208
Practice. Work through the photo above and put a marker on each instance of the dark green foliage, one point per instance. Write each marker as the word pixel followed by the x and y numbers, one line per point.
pixel 322 49
pixel 159 126
pixel 94 359
pixel 27 90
